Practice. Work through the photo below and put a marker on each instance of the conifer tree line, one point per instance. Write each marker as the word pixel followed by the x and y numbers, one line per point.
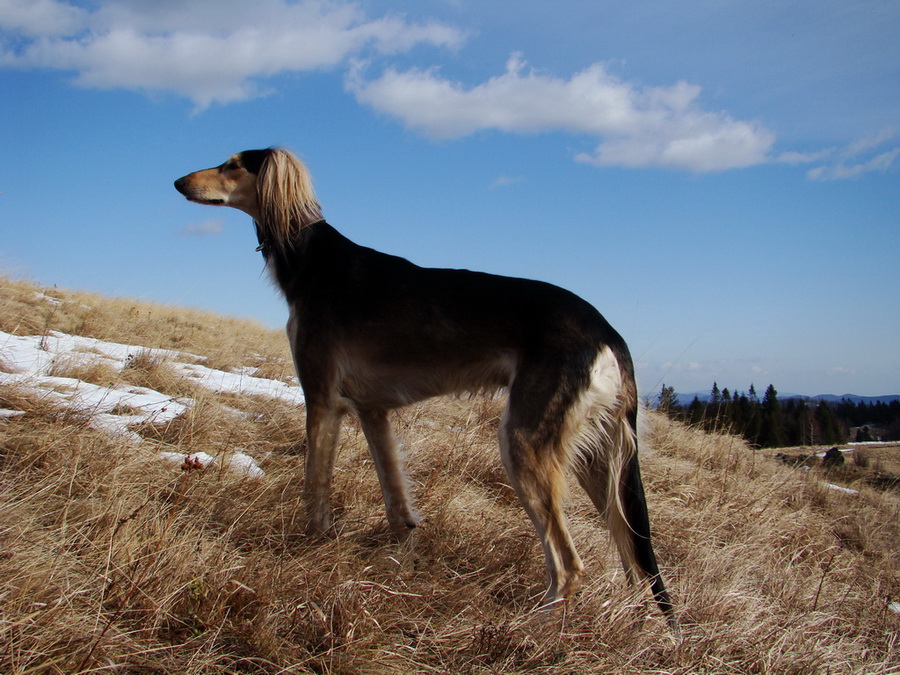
pixel 770 423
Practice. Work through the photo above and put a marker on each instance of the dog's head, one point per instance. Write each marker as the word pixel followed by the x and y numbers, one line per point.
pixel 232 183
pixel 271 185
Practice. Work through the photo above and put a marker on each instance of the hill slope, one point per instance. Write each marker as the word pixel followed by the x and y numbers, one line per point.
pixel 115 560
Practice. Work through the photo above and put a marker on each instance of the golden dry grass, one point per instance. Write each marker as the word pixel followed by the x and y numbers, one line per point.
pixel 113 561
pixel 225 342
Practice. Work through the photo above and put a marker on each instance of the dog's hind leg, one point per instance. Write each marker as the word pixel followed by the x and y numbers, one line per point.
pixel 610 474
pixel 389 466
pixel 535 462
pixel 323 424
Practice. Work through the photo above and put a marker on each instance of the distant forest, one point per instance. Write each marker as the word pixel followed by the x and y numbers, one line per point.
pixel 770 423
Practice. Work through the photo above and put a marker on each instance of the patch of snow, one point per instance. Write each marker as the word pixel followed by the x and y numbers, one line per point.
pixel 894 607
pixel 114 409
pixel 36 354
pixel 239 462
pixel 104 406
pixel 200 459
pixel 241 382
pixel 839 488
pixel 43 297
pixel 843 450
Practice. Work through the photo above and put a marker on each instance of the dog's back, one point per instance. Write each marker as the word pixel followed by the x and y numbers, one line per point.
pixel 468 330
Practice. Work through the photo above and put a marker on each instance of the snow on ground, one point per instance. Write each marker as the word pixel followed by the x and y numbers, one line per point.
pixel 238 461
pixel 29 361
pixel 840 488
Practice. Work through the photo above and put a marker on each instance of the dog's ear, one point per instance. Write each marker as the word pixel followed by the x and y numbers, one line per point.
pixel 252 160
pixel 285 197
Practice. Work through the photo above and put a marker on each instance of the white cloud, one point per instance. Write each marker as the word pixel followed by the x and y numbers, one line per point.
pixel 689 367
pixel 197 50
pixel 843 169
pixel 34 18
pixel 804 157
pixel 503 180
pixel 855 160
pixel 638 126
pixel 206 228
pixel 864 145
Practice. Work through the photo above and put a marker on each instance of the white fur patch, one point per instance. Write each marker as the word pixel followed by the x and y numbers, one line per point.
pixel 593 415
pixel 606 379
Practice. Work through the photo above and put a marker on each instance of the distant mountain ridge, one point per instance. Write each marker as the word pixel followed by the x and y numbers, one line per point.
pixel 830 398
pixel 685 399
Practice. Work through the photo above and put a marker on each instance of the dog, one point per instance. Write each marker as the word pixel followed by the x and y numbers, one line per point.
pixel 371 332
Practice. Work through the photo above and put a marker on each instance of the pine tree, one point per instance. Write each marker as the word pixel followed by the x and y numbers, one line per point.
pixel 829 426
pixel 667 402
pixel 805 423
pixel 771 432
pixel 770 399
pixel 695 411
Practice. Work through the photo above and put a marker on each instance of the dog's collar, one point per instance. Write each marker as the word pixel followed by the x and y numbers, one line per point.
pixel 264 242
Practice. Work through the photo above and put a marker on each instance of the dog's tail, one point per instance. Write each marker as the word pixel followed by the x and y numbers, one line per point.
pixel 634 506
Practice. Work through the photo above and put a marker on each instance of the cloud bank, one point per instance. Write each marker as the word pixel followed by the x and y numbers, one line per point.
pixel 213 57
pixel 869 155
pixel 637 126
pixel 195 49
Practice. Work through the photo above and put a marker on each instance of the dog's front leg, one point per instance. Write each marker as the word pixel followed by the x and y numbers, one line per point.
pixel 323 424
pixel 391 475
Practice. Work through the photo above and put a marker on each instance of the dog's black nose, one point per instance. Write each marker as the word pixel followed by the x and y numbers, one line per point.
pixel 179 185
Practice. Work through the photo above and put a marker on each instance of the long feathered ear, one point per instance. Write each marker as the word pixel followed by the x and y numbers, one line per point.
pixel 286 199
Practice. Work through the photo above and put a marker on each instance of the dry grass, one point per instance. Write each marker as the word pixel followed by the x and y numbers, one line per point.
pixel 101 374
pixel 111 561
pixel 226 342
pixel 873 464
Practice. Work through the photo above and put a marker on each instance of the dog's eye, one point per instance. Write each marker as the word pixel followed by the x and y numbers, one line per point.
pixel 230 165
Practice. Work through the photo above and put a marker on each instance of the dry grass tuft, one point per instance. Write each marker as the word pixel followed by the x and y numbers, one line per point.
pixel 226 342
pixel 150 369
pixel 96 373
pixel 113 561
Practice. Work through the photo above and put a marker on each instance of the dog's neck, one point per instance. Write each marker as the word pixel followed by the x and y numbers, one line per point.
pixel 263 241
pixel 287 263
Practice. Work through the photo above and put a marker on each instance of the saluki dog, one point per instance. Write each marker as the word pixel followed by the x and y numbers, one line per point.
pixel 372 332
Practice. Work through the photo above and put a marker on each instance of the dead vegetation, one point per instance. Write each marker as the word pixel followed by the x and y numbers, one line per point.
pixel 113 561
pixel 224 342
pixel 875 464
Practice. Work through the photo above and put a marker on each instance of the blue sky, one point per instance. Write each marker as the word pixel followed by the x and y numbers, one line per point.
pixel 721 179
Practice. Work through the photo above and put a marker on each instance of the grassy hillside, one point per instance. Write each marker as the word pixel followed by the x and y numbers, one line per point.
pixel 112 560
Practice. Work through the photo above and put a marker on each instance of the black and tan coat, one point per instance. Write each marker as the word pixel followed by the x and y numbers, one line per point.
pixel 371 332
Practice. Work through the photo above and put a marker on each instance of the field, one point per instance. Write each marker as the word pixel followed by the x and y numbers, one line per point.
pixel 876 464
pixel 116 560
